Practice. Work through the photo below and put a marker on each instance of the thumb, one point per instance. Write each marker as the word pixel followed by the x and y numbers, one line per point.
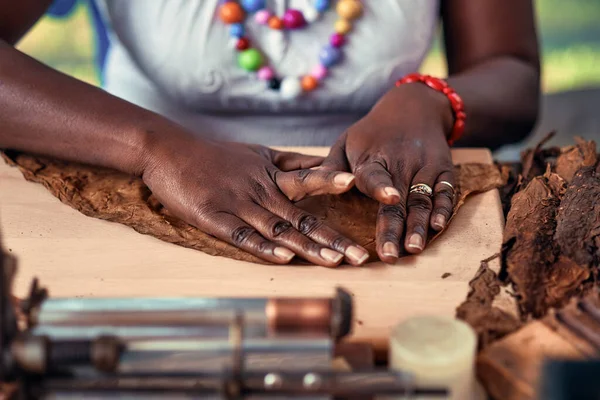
pixel 336 160
pixel 297 185
pixel 289 161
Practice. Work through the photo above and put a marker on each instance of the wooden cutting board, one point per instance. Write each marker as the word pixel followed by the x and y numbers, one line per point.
pixel 74 255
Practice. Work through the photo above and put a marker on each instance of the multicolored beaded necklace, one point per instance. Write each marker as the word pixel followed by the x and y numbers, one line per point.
pixel 234 14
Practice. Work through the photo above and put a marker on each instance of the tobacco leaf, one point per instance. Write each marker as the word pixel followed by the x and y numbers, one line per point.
pixel 528 249
pixel 113 196
pixel 578 219
pixel 551 239
pixel 512 173
pixel 489 322
pixel 573 158
pixel 535 160
pixel 551 243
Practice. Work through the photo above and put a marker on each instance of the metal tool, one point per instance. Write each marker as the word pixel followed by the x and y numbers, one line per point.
pixel 180 348
pixel 196 317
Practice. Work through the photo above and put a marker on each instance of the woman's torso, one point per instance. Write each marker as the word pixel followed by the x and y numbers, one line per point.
pixel 175 57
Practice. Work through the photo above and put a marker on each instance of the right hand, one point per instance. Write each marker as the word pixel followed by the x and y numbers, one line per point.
pixel 242 194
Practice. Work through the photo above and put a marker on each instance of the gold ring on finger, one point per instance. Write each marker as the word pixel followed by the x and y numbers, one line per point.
pixel 447 184
pixel 422 188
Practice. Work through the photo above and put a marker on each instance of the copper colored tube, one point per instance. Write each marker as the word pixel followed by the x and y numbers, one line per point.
pixel 330 316
pixel 292 315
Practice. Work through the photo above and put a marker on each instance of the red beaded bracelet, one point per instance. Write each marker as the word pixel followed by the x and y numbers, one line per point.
pixel 456 102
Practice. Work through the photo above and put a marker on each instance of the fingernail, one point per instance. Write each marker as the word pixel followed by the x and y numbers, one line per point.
pixel 330 255
pixel 343 179
pixel 390 250
pixel 283 253
pixel 357 254
pixel 439 221
pixel 391 192
pixel 415 241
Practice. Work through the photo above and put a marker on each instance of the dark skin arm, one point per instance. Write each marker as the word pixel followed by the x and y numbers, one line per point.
pixel 493 64
pixel 236 192
pixel 17 17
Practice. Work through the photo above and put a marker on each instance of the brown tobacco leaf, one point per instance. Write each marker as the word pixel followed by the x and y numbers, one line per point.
pixel 354 214
pixel 578 219
pixel 573 158
pixel 512 174
pixel 535 161
pixel 490 323
pixel 116 197
pixel 476 178
pixel 542 277
pixel 528 250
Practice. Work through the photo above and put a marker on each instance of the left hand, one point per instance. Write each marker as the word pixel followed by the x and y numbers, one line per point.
pixel 401 143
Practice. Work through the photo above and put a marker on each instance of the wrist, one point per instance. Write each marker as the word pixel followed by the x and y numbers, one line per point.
pixel 455 102
pixel 164 143
pixel 156 140
pixel 412 104
pixel 442 107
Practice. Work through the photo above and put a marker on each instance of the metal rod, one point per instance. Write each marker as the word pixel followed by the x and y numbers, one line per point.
pixel 124 395
pixel 330 316
pixel 38 354
pixel 217 354
pixel 171 395
pixel 337 384
pixel 168 312
pixel 126 333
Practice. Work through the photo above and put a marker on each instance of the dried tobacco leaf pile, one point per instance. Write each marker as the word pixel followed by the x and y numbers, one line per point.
pixel 551 243
pixel 116 197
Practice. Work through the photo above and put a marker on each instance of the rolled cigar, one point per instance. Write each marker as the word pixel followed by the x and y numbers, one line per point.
pixel 330 316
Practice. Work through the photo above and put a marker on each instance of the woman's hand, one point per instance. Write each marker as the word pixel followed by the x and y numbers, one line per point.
pixel 242 194
pixel 401 143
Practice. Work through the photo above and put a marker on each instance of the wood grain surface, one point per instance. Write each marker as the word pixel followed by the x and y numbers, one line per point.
pixel 74 255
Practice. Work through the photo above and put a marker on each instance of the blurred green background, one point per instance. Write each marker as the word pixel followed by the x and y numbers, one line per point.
pixel 569 30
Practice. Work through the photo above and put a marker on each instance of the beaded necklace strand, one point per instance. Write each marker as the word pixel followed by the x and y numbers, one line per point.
pixel 234 13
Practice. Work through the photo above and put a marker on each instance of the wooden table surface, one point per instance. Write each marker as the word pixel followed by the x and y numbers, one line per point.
pixel 74 255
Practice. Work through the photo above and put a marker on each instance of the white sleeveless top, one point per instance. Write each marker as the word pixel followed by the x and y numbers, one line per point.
pixel 175 57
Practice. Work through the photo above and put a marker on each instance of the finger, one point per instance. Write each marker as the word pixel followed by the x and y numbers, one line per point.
pixel 443 200
pixel 289 161
pixel 233 230
pixel 311 227
pixel 283 233
pixel 336 159
pixel 374 180
pixel 418 207
pixel 391 220
pixel 299 184
pixel 390 226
